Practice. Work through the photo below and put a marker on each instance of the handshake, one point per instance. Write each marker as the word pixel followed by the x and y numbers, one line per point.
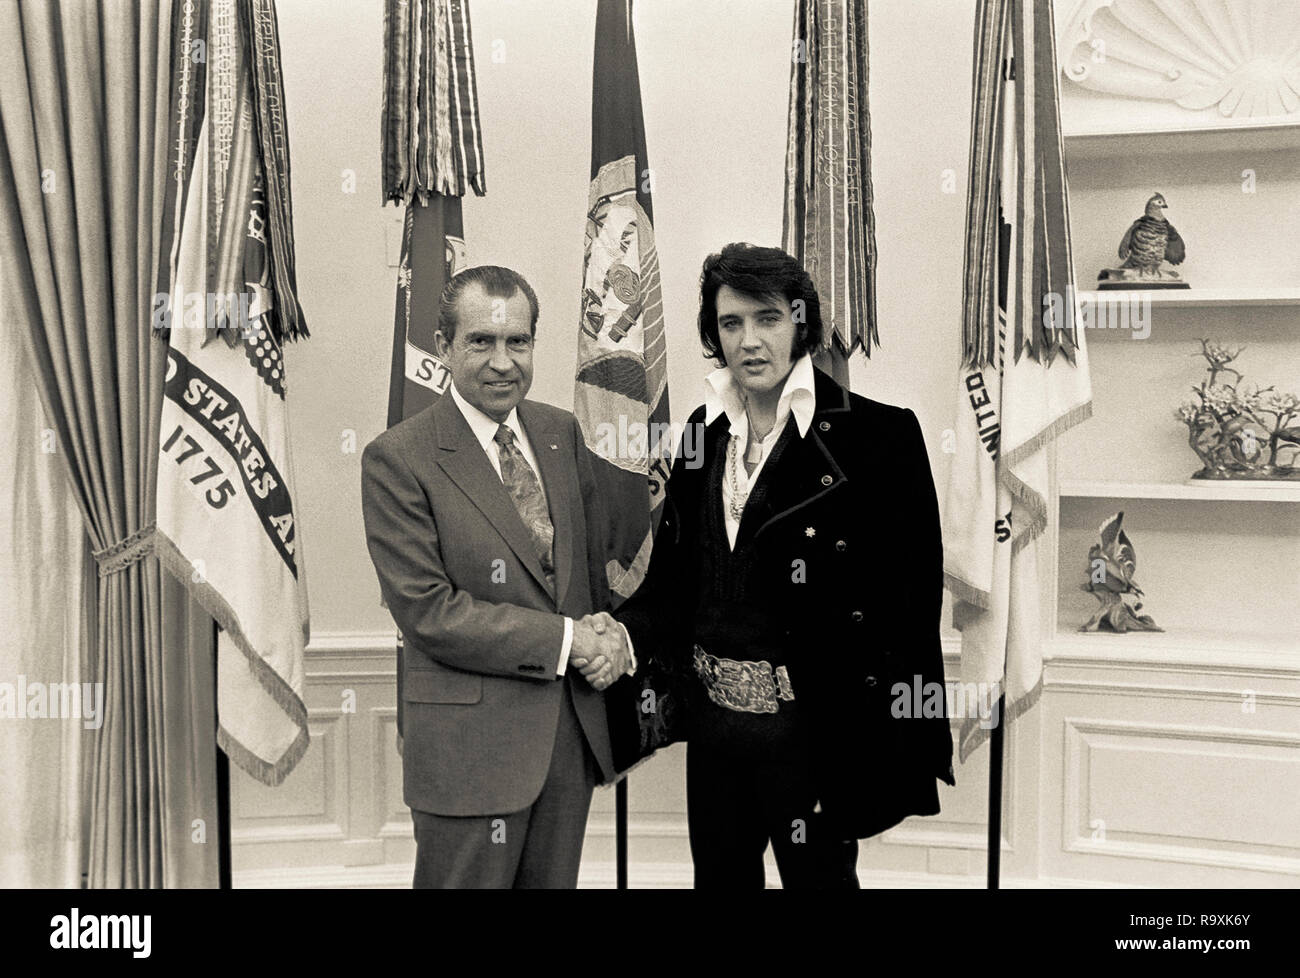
pixel 599 650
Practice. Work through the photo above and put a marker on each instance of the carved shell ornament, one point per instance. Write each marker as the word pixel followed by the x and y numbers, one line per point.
pixel 1241 56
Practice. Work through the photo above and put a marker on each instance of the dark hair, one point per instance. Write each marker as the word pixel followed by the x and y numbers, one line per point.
pixel 496 281
pixel 759 272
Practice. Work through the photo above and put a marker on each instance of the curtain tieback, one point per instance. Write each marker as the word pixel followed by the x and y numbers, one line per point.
pixel 117 557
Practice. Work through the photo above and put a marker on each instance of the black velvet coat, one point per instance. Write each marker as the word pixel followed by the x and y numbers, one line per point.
pixel 853 500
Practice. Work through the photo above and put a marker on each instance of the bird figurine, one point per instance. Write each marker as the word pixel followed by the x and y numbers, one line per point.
pixel 1111 565
pixel 1150 241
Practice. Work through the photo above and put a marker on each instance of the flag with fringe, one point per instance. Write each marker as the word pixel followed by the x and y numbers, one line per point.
pixel 226 306
pixel 621 388
pixel 1014 393
pixel 829 222
pixel 431 155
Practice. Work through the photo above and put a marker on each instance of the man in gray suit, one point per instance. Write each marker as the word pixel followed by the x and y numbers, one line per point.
pixel 486 529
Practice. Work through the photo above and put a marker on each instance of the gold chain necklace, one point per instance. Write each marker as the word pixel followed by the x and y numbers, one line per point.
pixel 738 498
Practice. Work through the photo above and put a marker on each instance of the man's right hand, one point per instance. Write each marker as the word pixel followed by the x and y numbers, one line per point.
pixel 598 650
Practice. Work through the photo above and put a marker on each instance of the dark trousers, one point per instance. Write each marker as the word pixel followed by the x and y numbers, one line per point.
pixel 736 803
pixel 537 848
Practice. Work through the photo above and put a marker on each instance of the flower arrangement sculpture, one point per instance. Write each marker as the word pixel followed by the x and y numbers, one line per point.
pixel 1241 432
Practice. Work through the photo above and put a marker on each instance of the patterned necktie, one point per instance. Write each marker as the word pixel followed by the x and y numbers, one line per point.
pixel 526 492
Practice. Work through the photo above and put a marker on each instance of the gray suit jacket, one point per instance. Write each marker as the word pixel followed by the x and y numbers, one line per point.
pixel 459 572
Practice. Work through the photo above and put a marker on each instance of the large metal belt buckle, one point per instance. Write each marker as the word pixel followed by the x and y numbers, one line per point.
pixel 748 687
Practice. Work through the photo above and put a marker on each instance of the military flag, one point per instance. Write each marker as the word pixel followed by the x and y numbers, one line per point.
pixel 1014 393
pixel 432 156
pixel 225 492
pixel 621 388
pixel 829 223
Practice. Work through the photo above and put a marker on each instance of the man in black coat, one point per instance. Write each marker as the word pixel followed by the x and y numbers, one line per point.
pixel 789 619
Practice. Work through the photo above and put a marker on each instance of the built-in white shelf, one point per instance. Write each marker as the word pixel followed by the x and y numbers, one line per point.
pixel 1206 298
pixel 1182 646
pixel 1242 138
pixel 1204 639
pixel 1228 490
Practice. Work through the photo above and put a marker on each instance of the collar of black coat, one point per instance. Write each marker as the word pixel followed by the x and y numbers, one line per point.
pixel 831 397
pixel 806 470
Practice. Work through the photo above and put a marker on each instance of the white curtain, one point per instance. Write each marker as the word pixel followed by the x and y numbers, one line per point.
pixel 46 599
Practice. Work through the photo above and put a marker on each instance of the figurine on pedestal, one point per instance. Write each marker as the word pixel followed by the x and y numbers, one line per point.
pixel 1147 244
pixel 1111 563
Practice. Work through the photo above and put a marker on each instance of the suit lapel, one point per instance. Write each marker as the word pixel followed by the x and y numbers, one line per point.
pixel 461 456
pixel 758 508
pixel 558 479
pixel 806 469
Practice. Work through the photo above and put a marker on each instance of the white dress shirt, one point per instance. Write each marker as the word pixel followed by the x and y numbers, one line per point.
pixel 485 430
pixel 723 395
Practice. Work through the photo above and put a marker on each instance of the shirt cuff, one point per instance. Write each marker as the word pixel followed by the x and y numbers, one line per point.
pixel 564 647
pixel 630 651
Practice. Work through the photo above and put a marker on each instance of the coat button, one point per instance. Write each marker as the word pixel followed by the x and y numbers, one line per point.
pixel 825 426
pixel 871 680
pixel 841 546
pixel 857 616
pixel 827 480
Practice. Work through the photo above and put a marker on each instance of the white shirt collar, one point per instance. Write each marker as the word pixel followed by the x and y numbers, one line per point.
pixel 798 397
pixel 484 428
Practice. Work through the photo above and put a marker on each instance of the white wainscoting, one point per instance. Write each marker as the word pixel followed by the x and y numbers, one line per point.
pixel 1134 769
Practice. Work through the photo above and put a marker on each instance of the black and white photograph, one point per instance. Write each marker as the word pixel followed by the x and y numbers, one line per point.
pixel 651 444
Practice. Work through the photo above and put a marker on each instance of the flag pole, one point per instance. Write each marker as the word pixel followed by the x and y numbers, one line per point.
pixel 620 833
pixel 223 785
pixel 995 798
pixel 620 827
pixel 223 820
pixel 622 297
